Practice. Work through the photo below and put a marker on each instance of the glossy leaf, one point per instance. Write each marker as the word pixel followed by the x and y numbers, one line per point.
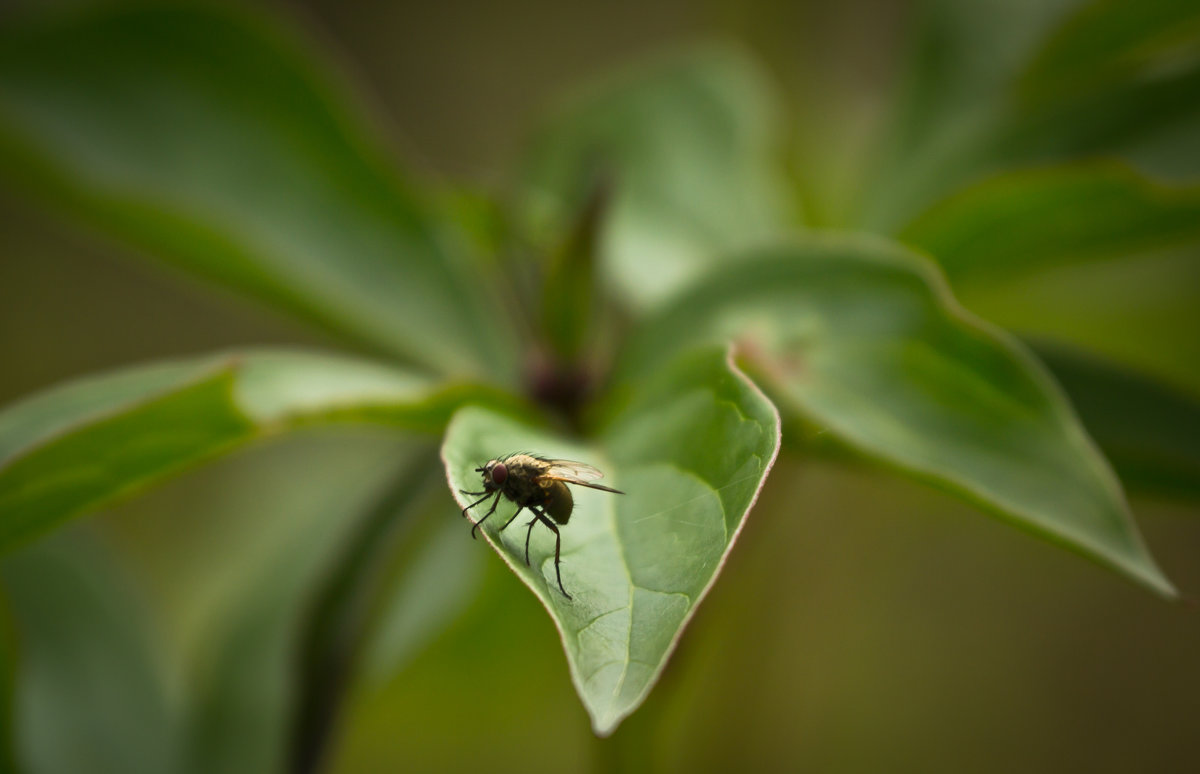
pixel 212 140
pixel 690 449
pixel 86 443
pixel 685 144
pixel 864 340
pixel 90 693
pixel 1034 219
pixel 1149 429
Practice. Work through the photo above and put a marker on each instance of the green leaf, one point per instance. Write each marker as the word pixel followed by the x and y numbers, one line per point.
pixel 864 339
pixel 1150 430
pixel 687 144
pixel 1111 41
pixel 690 449
pixel 994 86
pixel 8 678
pixel 335 623
pixel 1032 219
pixel 432 587
pixel 1129 311
pixel 87 443
pixel 214 140
pixel 1102 122
pixel 960 61
pixel 247 684
pixel 1113 73
pixel 90 694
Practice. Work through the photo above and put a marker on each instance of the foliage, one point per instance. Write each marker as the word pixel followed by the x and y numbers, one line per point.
pixel 681 312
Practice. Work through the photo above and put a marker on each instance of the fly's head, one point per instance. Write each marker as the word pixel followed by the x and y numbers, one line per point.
pixel 495 473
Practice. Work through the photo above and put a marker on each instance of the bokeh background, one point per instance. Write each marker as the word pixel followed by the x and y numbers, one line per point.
pixel 863 623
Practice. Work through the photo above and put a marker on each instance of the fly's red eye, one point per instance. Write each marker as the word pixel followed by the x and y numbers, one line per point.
pixel 499 473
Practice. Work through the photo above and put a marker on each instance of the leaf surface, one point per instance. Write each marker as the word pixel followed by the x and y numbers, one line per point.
pixel 89 442
pixel 864 340
pixel 686 145
pixel 215 140
pixel 1149 429
pixel 690 449
pixel 1030 220
pixel 91 694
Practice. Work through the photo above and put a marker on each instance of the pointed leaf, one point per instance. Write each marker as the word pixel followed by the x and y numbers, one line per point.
pixel 686 143
pixel 214 140
pixel 690 449
pixel 1149 429
pixel 864 339
pixel 84 444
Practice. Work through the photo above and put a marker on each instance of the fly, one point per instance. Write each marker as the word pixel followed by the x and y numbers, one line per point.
pixel 539 484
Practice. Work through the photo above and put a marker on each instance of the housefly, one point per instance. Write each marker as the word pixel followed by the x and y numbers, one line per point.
pixel 538 484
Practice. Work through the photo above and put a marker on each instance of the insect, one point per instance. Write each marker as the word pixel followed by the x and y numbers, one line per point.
pixel 539 484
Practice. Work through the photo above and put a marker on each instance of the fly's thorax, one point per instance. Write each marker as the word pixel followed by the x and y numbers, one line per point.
pixel 523 484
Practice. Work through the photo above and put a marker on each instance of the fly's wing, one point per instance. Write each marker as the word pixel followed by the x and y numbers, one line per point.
pixel 576 473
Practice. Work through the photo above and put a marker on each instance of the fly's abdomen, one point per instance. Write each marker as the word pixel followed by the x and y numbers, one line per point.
pixel 559 503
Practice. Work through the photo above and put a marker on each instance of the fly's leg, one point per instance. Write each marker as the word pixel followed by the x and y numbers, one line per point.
pixel 514 516
pixel 489 513
pixel 541 516
pixel 529 534
pixel 486 495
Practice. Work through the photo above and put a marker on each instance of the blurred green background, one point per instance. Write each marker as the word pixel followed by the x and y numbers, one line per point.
pixel 863 623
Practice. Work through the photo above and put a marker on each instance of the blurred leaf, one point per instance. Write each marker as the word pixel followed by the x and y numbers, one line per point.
pixel 1150 431
pixel 1171 153
pixel 1032 219
pixel 245 685
pixel 86 443
pixel 1133 311
pixel 8 679
pixel 214 140
pixel 686 143
pixel 569 304
pixel 433 586
pixel 336 620
pixel 90 693
pixel 1107 41
pixel 1114 72
pixel 1102 122
pixel 864 339
pixel 964 56
pixel 994 86
pixel 959 62
pixel 690 449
